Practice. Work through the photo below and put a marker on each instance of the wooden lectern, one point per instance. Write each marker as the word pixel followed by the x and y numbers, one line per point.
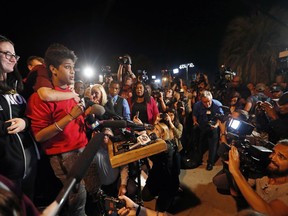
pixel 122 157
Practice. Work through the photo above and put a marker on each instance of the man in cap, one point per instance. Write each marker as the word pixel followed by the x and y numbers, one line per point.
pixel 278 118
pixel 276 92
pixel 259 96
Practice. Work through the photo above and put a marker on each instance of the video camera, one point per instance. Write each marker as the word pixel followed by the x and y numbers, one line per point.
pixel 253 158
pixel 226 73
pixel 222 83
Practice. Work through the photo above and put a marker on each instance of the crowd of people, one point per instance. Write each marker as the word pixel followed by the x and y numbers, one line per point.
pixel 49 116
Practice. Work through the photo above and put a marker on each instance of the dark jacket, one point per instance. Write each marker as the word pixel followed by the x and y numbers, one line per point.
pixel 12 146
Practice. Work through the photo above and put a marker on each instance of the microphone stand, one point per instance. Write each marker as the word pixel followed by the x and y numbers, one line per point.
pixel 138 198
pixel 76 174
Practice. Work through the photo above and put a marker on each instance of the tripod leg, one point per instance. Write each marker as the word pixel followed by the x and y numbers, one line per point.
pixel 139 197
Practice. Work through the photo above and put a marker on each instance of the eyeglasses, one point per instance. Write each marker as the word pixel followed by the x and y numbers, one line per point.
pixel 9 55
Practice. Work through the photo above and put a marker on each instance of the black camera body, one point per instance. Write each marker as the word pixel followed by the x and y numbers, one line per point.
pixel 253 159
pixel 156 93
pixel 180 105
pixel 163 115
pixel 223 82
pixel 222 117
pixel 113 204
pixel 125 60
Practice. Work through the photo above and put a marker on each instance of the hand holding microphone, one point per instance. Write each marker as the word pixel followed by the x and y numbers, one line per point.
pixel 76 111
pixel 95 111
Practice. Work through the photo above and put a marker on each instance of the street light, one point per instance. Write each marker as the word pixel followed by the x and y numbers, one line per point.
pixel 186 66
pixel 175 71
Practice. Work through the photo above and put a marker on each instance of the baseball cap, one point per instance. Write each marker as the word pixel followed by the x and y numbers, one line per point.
pixel 275 88
pixel 260 87
pixel 283 99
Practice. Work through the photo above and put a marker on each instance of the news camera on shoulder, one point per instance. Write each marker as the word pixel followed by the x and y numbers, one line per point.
pixel 254 156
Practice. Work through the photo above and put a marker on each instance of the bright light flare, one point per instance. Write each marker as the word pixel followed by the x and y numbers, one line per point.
pixel 88 72
pixel 175 71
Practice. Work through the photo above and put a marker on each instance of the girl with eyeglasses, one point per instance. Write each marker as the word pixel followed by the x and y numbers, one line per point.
pixel 18 151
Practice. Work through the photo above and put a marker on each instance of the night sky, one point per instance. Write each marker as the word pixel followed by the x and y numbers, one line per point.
pixel 163 33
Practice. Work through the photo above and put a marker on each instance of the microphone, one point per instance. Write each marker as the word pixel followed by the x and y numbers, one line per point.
pixel 126 123
pixel 144 139
pixel 114 123
pixel 97 110
pixel 92 122
pixel 87 103
pixel 112 114
pixel 76 173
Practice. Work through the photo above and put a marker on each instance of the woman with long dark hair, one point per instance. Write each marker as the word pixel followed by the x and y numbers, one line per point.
pixel 142 104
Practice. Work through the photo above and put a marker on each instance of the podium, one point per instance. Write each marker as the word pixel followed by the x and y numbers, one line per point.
pixel 122 157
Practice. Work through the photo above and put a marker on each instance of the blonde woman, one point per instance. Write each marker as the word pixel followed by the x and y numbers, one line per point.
pixel 98 94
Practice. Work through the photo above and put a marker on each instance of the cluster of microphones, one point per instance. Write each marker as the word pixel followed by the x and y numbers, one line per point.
pixel 80 167
pixel 95 119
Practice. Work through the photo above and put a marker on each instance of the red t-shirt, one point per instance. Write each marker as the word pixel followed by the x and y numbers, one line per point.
pixel 43 114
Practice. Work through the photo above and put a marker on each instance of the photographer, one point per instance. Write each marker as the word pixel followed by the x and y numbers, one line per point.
pixel 270 194
pixel 183 106
pixel 199 85
pixel 206 126
pixel 125 69
pixel 236 85
pixel 260 96
pixel 163 179
pixel 165 99
pixel 221 179
pixel 159 98
pixel 278 118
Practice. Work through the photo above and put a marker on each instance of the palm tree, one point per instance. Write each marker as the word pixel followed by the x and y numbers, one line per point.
pixel 252 45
